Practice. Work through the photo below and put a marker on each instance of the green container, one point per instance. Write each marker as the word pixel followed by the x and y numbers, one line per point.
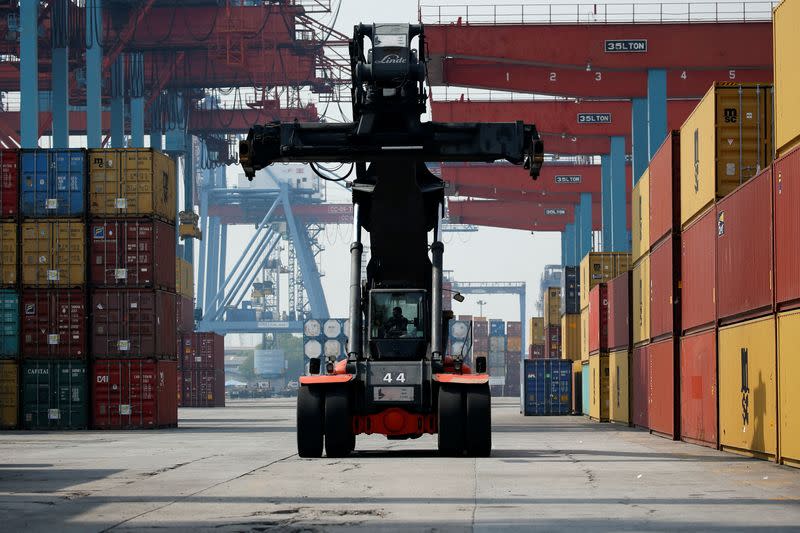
pixel 54 395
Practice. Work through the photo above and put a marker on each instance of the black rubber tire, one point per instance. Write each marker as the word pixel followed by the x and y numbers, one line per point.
pixel 338 430
pixel 310 421
pixel 451 421
pixel 479 421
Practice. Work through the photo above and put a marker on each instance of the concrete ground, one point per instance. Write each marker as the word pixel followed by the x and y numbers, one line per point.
pixel 235 469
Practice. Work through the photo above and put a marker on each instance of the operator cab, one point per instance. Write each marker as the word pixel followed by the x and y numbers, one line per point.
pixel 398 325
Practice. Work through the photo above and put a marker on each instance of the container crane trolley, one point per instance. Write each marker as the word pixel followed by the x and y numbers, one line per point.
pixel 396 379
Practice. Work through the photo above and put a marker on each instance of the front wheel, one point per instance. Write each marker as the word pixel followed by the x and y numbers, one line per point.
pixel 310 421
pixel 339 438
pixel 479 421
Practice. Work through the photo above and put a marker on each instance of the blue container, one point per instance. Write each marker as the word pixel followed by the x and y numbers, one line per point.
pixel 497 328
pixel 585 394
pixel 9 323
pixel 53 183
pixel 548 387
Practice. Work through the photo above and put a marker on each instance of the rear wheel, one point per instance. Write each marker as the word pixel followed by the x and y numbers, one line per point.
pixel 479 421
pixel 310 421
pixel 339 440
pixel 451 421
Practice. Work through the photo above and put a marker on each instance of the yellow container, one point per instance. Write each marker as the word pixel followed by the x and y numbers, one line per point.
pixel 8 253
pixel 9 394
pixel 599 267
pixel 552 306
pixel 585 334
pixel 725 141
pixel 747 388
pixel 132 182
pixel 571 337
pixel 619 376
pixel 640 217
pixel 785 43
pixel 598 387
pixel 54 253
pixel 184 278
pixel 788 389
pixel 640 310
pixel 536 330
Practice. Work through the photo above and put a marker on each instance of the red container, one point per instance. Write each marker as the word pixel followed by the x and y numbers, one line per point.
pixel 535 351
pixel 640 376
pixel 480 344
pixel 598 318
pixel 514 329
pixel 132 253
pixel 665 271
pixel 665 188
pixel 203 388
pixel 133 323
pixel 134 394
pixel 661 388
pixel 552 344
pixel 699 388
pixel 185 313
pixel 480 328
pixel 53 324
pixel 203 350
pixel 786 197
pixel 9 183
pixel 699 272
pixel 744 250
pixel 619 312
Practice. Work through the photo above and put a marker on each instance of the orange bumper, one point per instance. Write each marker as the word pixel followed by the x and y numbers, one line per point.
pixel 394 421
pixel 328 379
pixel 462 379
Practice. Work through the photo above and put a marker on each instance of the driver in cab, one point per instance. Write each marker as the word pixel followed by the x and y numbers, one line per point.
pixel 397 324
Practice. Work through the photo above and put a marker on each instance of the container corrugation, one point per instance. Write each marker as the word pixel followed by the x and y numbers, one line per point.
pixel 552 306
pixel 585 334
pixel 54 253
pixel 132 253
pixel 203 350
pixel 640 300
pixel 184 277
pixel 665 189
pixel 577 388
pixel 571 291
pixel 619 377
pixel 54 324
pixel 535 351
pixel 571 337
pixel 640 383
pixel 786 75
pixel 536 330
pixel 548 387
pixel 699 272
pixel 744 251
pixel 480 344
pixel 661 410
pixel 497 344
pixel 698 379
pixel 53 183
pixel 132 182
pixel 134 394
pixel 9 394
pixel 552 345
pixel 598 318
pixel 480 327
pixel 598 388
pixel 788 391
pixel 185 314
pixel 619 312
pixel 514 344
pixel 133 323
pixel 725 141
pixel 786 198
pixel 8 253
pixel 54 394
pixel 9 183
pixel 514 328
pixel 586 392
pixel 640 217
pixel 9 323
pixel 203 387
pixel 747 388
pixel 665 301
pixel 600 267
pixel 497 328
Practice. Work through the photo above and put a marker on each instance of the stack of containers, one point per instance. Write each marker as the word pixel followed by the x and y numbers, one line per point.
pixel 619 346
pixel 53 297
pixel 9 289
pixel 552 323
pixel 537 338
pixel 598 353
pixel 571 314
pixel 184 301
pixel 513 357
pixel 497 350
pixel 132 208
pixel 640 299
pixel 203 370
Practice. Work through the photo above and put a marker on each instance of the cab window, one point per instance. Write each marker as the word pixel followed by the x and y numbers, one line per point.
pixel 397 315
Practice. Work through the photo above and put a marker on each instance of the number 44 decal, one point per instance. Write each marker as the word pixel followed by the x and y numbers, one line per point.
pixel 400 377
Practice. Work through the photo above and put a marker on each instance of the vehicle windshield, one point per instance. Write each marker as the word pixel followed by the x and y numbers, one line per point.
pixel 397 315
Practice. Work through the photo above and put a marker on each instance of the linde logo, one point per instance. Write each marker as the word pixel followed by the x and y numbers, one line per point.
pixel 391 59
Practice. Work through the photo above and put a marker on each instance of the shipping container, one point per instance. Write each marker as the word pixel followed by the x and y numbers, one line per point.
pixel 577 388
pixel 54 394
pixel 640 301
pixel 619 370
pixel 725 141
pixel 552 345
pixel 185 314
pixel 744 251
pixel 548 387
pixel 535 351
pixel 788 391
pixel 698 379
pixel 9 323
pixel 53 183
pixel 640 382
pixel 497 328
pixel 497 344
pixel 665 189
pixel 132 182
pixel 586 393
pixel 8 253
pixel 598 318
pixel 134 393
pixel 640 217
pixel 699 272
pixel 571 291
pixel 598 387
pixel 747 388
pixel 9 394
pixel 552 306
pixel 203 350
pixel 480 328
pixel 132 253
pixel 619 312
pixel 54 324
pixel 54 253
pixel 665 301
pixel 786 75
pixel 9 183
pixel 480 344
pixel 571 337
pixel 133 323
pixel 786 198
pixel 600 267
pixel 536 330
pixel 585 334
pixel 513 344
pixel 662 397
pixel 184 277
pixel 203 388
pixel 514 329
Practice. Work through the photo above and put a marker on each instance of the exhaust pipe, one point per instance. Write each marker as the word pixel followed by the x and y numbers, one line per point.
pixel 354 343
pixel 437 251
